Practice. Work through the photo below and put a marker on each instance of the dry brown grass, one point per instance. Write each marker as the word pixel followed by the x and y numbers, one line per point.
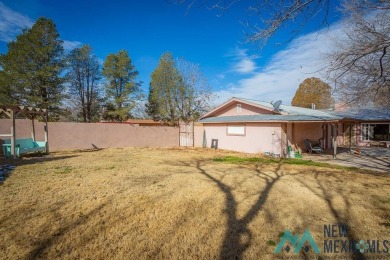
pixel 139 203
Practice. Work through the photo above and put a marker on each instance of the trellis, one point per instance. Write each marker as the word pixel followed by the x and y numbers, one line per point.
pixel 30 112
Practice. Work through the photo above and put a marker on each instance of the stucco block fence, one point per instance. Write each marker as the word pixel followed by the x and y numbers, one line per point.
pixel 71 136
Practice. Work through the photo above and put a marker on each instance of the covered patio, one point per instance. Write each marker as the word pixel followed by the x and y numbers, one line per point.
pixel 370 158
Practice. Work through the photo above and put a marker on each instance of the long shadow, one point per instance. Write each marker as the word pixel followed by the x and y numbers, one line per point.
pixel 26 161
pixel 34 159
pixel 342 219
pixel 238 236
pixel 47 242
pixel 365 165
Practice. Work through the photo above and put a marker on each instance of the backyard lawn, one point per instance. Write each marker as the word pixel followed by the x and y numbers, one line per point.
pixel 150 203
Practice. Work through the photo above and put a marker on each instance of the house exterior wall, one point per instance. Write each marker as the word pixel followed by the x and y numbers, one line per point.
pixel 302 131
pixel 258 138
pixel 245 110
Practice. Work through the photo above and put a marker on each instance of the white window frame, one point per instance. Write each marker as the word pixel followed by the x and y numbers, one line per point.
pixel 236 130
pixel 367 132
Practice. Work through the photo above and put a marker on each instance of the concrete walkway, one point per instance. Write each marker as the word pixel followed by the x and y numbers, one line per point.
pixel 371 158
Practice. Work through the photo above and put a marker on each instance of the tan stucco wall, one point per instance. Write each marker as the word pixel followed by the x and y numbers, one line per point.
pixel 198 136
pixel 302 131
pixel 63 136
pixel 259 138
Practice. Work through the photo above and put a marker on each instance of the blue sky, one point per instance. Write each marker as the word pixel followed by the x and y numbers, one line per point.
pixel 212 39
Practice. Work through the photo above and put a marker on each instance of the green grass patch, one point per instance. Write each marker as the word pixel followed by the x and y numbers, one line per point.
pixel 271 243
pixel 262 160
pixel 63 170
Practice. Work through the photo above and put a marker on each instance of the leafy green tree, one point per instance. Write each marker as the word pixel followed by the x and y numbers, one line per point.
pixel 84 76
pixel 31 69
pixel 177 91
pixel 313 91
pixel 121 90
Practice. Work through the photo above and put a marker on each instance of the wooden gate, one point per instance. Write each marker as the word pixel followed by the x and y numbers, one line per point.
pixel 186 133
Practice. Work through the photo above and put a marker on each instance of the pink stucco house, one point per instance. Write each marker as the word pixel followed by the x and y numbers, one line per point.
pixel 253 126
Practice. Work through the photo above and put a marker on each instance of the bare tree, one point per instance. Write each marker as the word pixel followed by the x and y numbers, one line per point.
pixel 83 77
pixel 270 16
pixel 360 63
pixel 194 95
pixel 139 110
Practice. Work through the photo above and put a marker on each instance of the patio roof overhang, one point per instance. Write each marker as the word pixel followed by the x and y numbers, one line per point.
pixel 27 110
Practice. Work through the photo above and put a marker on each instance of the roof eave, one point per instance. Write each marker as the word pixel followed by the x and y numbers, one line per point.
pixel 234 99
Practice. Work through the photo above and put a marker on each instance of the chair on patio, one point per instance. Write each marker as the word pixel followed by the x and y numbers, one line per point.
pixel 309 148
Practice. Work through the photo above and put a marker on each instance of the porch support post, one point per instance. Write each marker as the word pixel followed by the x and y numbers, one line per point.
pixel 334 142
pixel 350 137
pixel 45 118
pixel 32 127
pixel 13 137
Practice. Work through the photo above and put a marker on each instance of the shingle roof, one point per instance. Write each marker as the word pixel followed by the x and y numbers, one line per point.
pixel 292 113
pixel 366 114
pixel 291 110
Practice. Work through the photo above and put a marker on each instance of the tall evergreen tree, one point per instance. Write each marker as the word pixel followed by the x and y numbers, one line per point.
pixel 32 66
pixel 83 77
pixel 122 90
pixel 152 106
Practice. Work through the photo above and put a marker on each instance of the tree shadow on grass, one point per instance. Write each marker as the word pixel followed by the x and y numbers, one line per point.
pixel 34 159
pixel 238 236
pixel 341 217
pixel 48 241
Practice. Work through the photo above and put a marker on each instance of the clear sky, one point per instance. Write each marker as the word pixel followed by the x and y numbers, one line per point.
pixel 212 39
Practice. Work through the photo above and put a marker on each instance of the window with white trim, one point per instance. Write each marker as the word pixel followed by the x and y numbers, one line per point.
pixel 235 130
pixel 375 132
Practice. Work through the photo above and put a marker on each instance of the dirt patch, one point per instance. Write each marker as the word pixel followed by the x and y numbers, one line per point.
pixel 139 203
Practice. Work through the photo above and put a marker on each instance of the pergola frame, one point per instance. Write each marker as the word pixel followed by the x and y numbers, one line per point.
pixel 31 112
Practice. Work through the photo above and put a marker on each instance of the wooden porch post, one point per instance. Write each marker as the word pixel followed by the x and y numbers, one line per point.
pixel 13 137
pixel 350 137
pixel 46 118
pixel 32 127
pixel 334 141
